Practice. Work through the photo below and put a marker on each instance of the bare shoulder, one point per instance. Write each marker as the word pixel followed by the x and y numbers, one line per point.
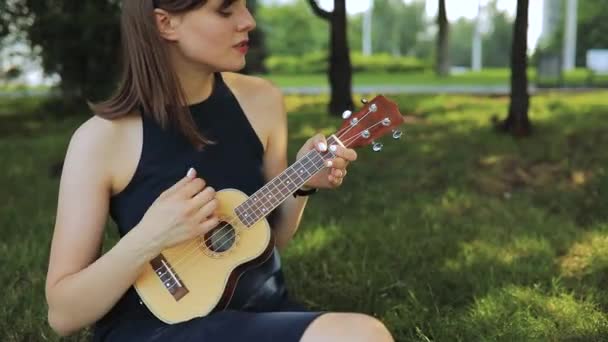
pixel 97 135
pixel 250 83
pixel 255 89
pixel 103 145
pixel 262 102
pixel 91 137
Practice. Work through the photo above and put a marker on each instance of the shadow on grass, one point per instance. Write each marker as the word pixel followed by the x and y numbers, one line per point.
pixel 455 220
pixel 453 233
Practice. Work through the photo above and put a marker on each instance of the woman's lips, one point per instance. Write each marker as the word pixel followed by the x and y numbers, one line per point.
pixel 242 47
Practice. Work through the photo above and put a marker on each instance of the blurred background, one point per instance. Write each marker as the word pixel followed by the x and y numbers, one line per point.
pixel 486 221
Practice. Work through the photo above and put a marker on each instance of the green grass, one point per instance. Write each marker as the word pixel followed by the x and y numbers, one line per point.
pixel 454 233
pixel 487 77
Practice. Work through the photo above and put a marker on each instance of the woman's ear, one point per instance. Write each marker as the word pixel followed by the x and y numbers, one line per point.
pixel 166 24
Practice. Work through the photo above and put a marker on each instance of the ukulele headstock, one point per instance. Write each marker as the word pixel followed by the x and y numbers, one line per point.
pixel 377 118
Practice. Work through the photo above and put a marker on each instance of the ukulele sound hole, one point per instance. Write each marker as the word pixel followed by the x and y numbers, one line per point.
pixel 221 238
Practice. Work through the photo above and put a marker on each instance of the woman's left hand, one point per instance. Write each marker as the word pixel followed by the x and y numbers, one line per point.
pixel 333 175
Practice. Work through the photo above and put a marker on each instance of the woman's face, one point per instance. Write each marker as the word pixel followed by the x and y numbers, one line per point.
pixel 215 34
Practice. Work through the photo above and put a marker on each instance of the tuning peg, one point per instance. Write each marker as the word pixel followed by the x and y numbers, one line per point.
pixel 364 101
pixel 346 114
pixel 377 147
pixel 397 134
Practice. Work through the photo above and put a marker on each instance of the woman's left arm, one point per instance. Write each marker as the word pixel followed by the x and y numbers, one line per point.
pixel 275 161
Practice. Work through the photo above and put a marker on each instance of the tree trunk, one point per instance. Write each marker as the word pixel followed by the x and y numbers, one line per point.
pixel 340 69
pixel 442 65
pixel 517 122
pixel 257 43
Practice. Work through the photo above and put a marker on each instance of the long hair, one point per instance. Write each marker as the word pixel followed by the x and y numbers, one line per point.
pixel 148 81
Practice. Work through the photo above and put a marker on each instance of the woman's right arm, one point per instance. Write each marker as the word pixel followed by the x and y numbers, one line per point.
pixel 81 286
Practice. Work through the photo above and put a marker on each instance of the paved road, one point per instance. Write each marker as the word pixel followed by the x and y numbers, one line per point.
pixel 385 89
pixel 429 89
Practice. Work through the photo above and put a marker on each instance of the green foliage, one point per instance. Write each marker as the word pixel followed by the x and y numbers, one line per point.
pixel 461 41
pixel 316 62
pixel 257 43
pixel 355 32
pixel 496 44
pixel 79 40
pixel 309 63
pixel 453 234
pixel 387 63
pixel 4 20
pixel 486 77
pixel 396 26
pixel 592 29
pixel 292 29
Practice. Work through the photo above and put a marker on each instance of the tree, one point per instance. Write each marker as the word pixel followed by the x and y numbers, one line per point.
pixel 257 43
pixel 78 40
pixel 517 122
pixel 461 43
pixel 396 25
pixel 442 65
pixel 291 29
pixel 500 35
pixel 592 32
pixel 340 68
pixel 4 19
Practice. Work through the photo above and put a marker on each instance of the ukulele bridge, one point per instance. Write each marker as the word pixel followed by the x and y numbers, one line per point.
pixel 169 278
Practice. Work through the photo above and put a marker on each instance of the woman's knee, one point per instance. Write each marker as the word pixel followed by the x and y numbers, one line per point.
pixel 347 327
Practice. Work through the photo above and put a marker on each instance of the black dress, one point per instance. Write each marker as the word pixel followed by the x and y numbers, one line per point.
pixel 261 309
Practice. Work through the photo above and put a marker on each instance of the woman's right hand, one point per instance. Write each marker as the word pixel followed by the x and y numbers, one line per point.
pixel 182 212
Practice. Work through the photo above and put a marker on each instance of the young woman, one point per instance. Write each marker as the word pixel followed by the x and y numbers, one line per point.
pixel 180 126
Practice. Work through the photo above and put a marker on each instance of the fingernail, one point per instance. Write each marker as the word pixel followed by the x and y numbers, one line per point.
pixel 329 163
pixel 190 172
pixel 333 148
pixel 322 146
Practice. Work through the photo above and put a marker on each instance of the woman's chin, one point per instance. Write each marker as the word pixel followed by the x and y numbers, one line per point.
pixel 234 67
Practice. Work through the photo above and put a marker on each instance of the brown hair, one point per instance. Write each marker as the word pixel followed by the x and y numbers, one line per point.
pixel 148 81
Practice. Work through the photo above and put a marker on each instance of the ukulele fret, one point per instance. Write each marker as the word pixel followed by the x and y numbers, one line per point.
pixel 209 294
pixel 263 201
pixel 168 277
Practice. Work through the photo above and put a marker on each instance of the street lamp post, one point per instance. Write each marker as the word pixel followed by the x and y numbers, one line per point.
pixel 367 29
pixel 570 35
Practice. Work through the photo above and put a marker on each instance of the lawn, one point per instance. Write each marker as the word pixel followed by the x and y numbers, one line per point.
pixel 486 77
pixel 453 233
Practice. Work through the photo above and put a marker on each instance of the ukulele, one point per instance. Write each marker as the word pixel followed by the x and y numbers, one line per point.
pixel 199 276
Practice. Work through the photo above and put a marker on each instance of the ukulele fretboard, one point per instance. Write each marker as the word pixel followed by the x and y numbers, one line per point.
pixel 271 195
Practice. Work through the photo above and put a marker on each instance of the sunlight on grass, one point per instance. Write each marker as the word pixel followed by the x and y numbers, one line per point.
pixel 587 256
pixel 294 103
pixel 454 233
pixel 313 240
pixel 522 249
pixel 516 313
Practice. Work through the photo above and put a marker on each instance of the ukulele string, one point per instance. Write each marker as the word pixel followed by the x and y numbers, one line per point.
pixel 231 219
pixel 353 124
pixel 184 258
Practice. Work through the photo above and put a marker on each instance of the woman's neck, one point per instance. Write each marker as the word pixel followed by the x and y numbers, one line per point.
pixel 195 80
